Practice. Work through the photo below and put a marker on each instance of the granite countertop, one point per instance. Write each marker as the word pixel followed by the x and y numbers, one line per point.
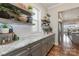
pixel 23 41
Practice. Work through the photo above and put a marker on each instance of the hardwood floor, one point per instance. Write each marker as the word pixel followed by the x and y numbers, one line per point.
pixel 66 49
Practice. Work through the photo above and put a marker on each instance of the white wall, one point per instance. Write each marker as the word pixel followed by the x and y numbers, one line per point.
pixel 53 11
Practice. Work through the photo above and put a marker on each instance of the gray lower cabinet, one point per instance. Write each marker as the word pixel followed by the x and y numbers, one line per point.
pixel 50 42
pixel 38 48
pixel 49 46
pixel 24 53
pixel 19 52
pixel 44 46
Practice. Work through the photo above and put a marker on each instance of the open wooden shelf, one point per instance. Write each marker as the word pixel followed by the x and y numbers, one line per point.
pixel 13 6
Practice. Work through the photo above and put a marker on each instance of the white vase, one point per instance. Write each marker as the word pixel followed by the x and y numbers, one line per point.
pixel 5 30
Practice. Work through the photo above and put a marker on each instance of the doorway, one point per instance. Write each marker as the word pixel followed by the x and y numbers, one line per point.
pixel 68 27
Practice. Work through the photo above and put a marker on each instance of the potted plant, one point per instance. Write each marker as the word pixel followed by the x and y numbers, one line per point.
pixel 4 28
pixel 7 11
pixel 48 15
pixel 30 8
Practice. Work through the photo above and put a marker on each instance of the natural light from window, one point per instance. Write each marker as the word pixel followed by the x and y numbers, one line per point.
pixel 36 19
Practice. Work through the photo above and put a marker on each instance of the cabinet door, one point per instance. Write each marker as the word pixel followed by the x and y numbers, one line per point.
pixel 19 52
pixel 36 50
pixel 44 46
pixel 49 43
pixel 24 53
pixel 52 39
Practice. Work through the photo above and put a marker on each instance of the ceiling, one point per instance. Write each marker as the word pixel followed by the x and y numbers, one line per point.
pixel 48 5
pixel 72 14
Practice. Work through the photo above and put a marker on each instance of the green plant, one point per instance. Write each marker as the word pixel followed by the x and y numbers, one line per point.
pixel 29 7
pixel 4 26
pixel 8 8
pixel 48 15
pixel 4 9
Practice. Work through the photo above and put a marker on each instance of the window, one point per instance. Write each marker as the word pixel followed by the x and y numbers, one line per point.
pixel 35 16
pixel 36 19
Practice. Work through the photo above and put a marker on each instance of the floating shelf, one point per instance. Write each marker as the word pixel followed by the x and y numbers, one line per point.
pixel 13 6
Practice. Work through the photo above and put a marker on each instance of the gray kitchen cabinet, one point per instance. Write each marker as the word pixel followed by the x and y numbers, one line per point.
pixel 52 39
pixel 24 53
pixel 50 42
pixel 36 50
pixel 19 52
pixel 49 46
pixel 44 46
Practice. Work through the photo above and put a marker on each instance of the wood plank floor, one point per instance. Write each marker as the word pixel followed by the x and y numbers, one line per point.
pixel 66 49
